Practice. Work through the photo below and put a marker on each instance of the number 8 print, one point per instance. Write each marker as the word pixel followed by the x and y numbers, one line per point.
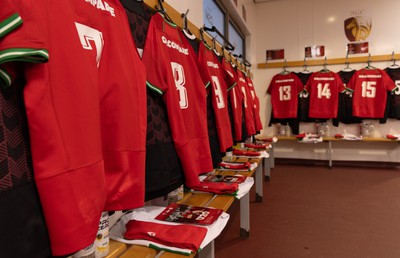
pixel 179 77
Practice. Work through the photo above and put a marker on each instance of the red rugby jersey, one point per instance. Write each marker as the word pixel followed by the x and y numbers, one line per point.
pixel 284 89
pixel 171 61
pixel 256 104
pixel 235 100
pixel 247 103
pixel 86 113
pixel 209 63
pixel 370 88
pixel 324 88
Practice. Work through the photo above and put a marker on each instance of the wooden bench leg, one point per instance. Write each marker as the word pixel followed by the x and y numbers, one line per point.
pixel 245 216
pixel 267 168
pixel 259 183
pixel 208 251
pixel 272 156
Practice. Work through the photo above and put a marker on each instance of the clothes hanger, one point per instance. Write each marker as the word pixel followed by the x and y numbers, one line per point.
pixel 324 70
pixel 369 66
pixel 393 65
pixel 185 28
pixel 305 67
pixel 347 68
pixel 160 8
pixel 214 48
pixel 284 71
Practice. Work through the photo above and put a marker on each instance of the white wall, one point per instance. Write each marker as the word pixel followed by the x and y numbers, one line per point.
pixel 195 14
pixel 294 24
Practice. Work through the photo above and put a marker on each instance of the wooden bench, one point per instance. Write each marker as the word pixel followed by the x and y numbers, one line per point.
pixel 122 250
pixel 118 249
pixel 330 140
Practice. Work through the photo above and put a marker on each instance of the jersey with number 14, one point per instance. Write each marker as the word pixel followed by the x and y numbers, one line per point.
pixel 324 88
pixel 284 89
pixel 370 88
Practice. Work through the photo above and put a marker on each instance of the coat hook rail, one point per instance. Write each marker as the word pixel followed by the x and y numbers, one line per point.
pixel 330 61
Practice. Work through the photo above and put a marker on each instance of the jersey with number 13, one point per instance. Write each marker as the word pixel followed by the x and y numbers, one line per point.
pixel 284 89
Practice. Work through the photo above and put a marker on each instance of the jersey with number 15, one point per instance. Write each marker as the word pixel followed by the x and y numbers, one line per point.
pixel 370 92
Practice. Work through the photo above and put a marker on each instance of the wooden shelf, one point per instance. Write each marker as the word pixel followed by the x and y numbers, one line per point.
pixel 328 61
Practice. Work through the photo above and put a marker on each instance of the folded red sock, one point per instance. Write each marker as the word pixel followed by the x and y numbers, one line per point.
pixel 256 146
pixel 392 137
pixel 246 153
pixel 216 187
pixel 181 236
pixel 234 165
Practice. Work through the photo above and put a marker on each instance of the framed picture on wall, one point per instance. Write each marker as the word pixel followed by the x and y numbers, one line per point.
pixel 357 48
pixel 275 54
pixel 314 51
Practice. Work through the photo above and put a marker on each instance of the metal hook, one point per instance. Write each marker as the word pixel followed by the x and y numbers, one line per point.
pixel 325 63
pixel 347 60
pixel 393 59
pixel 184 16
pixel 369 60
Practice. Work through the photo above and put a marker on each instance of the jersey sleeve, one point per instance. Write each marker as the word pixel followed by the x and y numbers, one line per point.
pixel 340 85
pixel 229 76
pixel 9 18
pixel 388 82
pixel 155 62
pixel 307 87
pixel 298 84
pixel 23 44
pixel 7 74
pixel 271 85
pixel 352 82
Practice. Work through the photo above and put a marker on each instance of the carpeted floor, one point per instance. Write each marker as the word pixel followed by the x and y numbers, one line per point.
pixel 314 211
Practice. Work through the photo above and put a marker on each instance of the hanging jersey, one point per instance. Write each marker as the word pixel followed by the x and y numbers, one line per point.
pixel 247 104
pixel 345 112
pixel 304 99
pixel 9 18
pixel 216 155
pixel 324 89
pixel 394 97
pixel 219 95
pixel 163 170
pixel 235 113
pixel 170 62
pixel 284 90
pixel 24 222
pixel 84 161
pixel 256 104
pixel 370 88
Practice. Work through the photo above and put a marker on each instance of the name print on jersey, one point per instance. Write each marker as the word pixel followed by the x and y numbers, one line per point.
pixel 102 5
pixel 213 65
pixel 173 45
